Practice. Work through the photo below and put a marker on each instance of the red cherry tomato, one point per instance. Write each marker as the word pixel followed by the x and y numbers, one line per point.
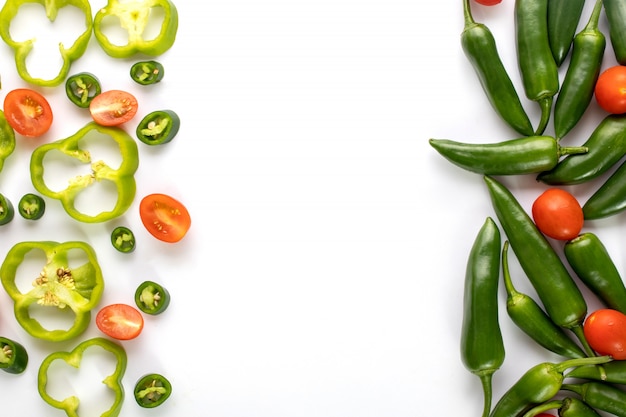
pixel 164 217
pixel 605 330
pixel 558 214
pixel 488 2
pixel 27 112
pixel 120 321
pixel 113 107
pixel 610 90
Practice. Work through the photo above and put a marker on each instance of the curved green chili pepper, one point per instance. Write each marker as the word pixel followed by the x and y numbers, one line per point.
pixel 480 49
pixel 7 139
pixel 13 356
pixel 532 320
pixel 152 298
pixel 152 390
pixel 538 69
pixel 147 72
pixel 158 127
pixel 601 396
pixel 609 198
pixel 567 407
pixel 527 155
pixel 31 206
pixel 7 211
pixel 615 11
pixel 81 88
pixel 592 263
pixel 583 72
pixel 563 18
pixel 606 145
pixel 614 372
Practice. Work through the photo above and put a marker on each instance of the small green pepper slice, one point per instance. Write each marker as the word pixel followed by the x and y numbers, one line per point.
pixel 123 239
pixel 7 139
pixel 152 298
pixel 81 88
pixel 31 206
pixel 7 212
pixel 151 390
pixel 158 127
pixel 13 356
pixel 147 72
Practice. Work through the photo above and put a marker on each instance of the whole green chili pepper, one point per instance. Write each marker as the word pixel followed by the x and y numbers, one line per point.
pixel 606 145
pixel 582 73
pixel 591 261
pixel 614 372
pixel 609 198
pixel 527 155
pixel 13 356
pixel 480 48
pixel 567 407
pixel 532 320
pixel 615 11
pixel 601 396
pixel 563 18
pixel 557 290
pixel 538 385
pixel 538 69
pixel 482 347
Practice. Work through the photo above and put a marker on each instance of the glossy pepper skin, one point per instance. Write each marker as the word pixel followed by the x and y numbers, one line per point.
pixel 134 17
pixel 13 356
pixel 482 347
pixel 158 127
pixel 22 48
pixel 60 285
pixel 613 372
pixel 615 11
pixel 480 48
pixel 582 73
pixel 113 381
pixel 532 320
pixel 563 18
pixel 537 67
pixel 527 155
pixel 7 139
pixel 121 177
pixel 610 198
pixel 567 407
pixel 601 396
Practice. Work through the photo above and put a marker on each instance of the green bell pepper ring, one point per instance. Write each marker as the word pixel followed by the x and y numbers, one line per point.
pixel 23 48
pixel 7 139
pixel 147 72
pixel 133 16
pixel 113 381
pixel 152 298
pixel 158 127
pixel 122 177
pixel 13 356
pixel 7 211
pixel 152 390
pixel 59 285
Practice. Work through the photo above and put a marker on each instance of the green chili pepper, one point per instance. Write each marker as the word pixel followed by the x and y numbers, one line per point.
pixel 613 372
pixel 134 17
pixel 584 69
pixel 121 177
pixel 592 263
pixel 532 320
pixel 567 407
pixel 23 48
pixel 13 356
pixel 152 298
pixel 7 139
pixel 563 18
pixel 7 212
pixel 152 390
pixel 607 145
pixel 615 11
pixel 31 206
pixel 147 72
pixel 81 88
pixel 60 285
pixel 518 156
pixel 480 48
pixel 538 385
pixel 609 198
pixel 482 348
pixel 538 69
pixel 123 239
pixel 561 297
pixel 158 127
pixel 601 396
pixel 74 358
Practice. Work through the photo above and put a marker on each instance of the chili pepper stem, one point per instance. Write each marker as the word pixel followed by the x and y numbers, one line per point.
pixel 561 367
pixel 578 331
pixel 572 150
pixel 486 381
pixel 547 406
pixel 546 109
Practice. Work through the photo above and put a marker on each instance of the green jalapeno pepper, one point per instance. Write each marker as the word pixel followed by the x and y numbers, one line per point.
pixel 81 88
pixel 610 198
pixel 480 48
pixel 158 127
pixel 31 206
pixel 121 177
pixel 23 48
pixel 613 372
pixel 74 358
pixel 123 239
pixel 152 298
pixel 134 17
pixel 581 76
pixel 527 155
pixel 7 139
pixel 152 390
pixel 601 396
pixel 615 11
pixel 60 285
pixel 147 72
pixel 13 356
pixel 606 145
pixel 482 348
pixel 7 211
pixel 563 18
pixel 567 407
pixel 532 320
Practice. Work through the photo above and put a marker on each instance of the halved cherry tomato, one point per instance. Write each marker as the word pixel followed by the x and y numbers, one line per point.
pixel 558 214
pixel 120 321
pixel 113 107
pixel 27 112
pixel 164 217
pixel 610 90
pixel 605 331
pixel 488 2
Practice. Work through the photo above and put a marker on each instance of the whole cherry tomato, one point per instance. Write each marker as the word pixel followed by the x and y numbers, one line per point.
pixel 27 112
pixel 113 107
pixel 488 2
pixel 610 90
pixel 164 217
pixel 120 321
pixel 558 214
pixel 605 330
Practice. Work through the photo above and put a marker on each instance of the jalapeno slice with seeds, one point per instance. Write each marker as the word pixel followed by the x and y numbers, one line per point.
pixel 158 127
pixel 147 72
pixel 7 212
pixel 13 356
pixel 81 88
pixel 123 239
pixel 151 390
pixel 31 206
pixel 152 298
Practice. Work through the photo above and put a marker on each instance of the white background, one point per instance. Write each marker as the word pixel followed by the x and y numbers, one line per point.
pixel 323 272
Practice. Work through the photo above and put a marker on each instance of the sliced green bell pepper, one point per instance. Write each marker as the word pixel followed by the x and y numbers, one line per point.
pixel 113 382
pixel 122 177
pixel 7 138
pixel 59 285
pixel 22 49
pixel 134 16
pixel 13 356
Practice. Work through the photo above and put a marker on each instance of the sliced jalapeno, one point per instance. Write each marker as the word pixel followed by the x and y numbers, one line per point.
pixel 152 390
pixel 123 239
pixel 147 72
pixel 31 206
pixel 7 212
pixel 152 298
pixel 158 127
pixel 13 356
pixel 81 88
